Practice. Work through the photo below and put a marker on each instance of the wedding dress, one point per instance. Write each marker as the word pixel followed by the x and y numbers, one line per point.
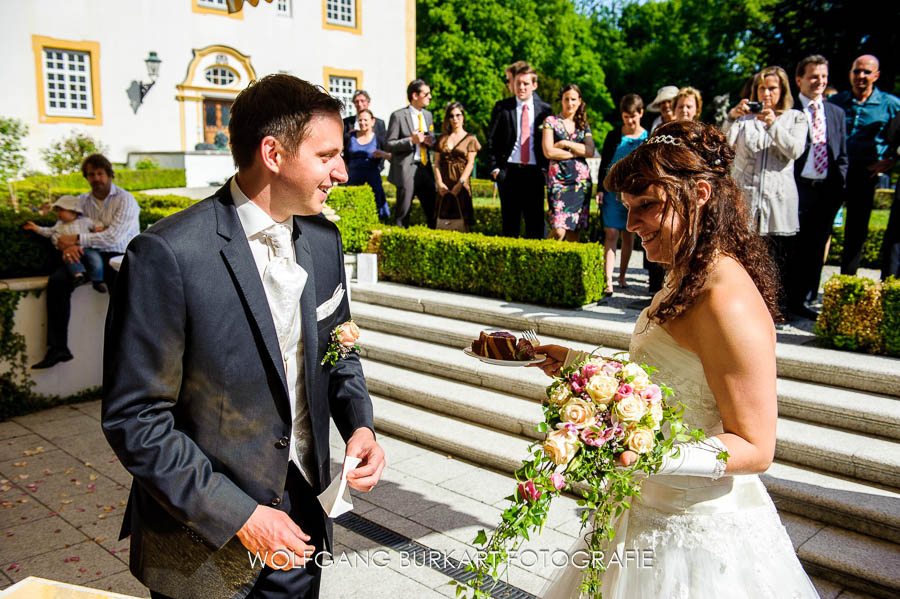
pixel 710 539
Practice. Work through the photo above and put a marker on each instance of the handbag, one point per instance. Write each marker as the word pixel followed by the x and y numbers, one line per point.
pixel 451 224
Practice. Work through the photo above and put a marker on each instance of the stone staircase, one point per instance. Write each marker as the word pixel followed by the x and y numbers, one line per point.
pixel 836 479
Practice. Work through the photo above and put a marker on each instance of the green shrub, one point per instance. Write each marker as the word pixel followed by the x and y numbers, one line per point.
pixel 66 154
pixel 356 207
pixel 871 257
pixel 147 164
pixel 527 270
pixel 481 188
pixel 23 253
pixel 12 152
pixel 860 314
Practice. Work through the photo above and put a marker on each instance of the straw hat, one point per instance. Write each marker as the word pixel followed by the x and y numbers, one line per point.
pixel 68 203
pixel 667 92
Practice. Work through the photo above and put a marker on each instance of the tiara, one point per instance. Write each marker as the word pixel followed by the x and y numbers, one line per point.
pixel 665 139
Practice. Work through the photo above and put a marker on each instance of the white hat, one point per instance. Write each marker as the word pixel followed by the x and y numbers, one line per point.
pixel 667 92
pixel 68 203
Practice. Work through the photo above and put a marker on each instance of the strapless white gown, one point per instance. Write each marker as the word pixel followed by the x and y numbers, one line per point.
pixel 710 539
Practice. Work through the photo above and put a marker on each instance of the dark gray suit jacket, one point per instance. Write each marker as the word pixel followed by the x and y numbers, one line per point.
pixel 403 151
pixel 195 397
pixel 836 140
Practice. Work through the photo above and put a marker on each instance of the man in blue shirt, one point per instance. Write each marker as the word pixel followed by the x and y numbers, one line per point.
pixel 869 110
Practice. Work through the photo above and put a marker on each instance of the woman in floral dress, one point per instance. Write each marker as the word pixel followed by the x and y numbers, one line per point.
pixel 567 141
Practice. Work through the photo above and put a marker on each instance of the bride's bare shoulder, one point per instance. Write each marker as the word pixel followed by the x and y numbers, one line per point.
pixel 731 300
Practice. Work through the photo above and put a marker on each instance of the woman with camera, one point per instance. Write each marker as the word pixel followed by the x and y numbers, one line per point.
pixel 767 136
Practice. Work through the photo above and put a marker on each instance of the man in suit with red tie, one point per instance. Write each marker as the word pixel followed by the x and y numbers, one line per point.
pixel 821 175
pixel 515 156
pixel 410 134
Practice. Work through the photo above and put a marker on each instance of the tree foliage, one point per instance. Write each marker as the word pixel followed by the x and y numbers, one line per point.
pixel 12 152
pixel 66 154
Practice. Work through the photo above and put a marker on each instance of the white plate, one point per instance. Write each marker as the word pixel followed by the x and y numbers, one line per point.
pixel 538 358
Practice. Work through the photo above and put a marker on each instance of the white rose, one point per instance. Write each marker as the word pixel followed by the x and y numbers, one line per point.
pixel 560 394
pixel 640 440
pixel 630 409
pixel 578 412
pixel 560 446
pixel 640 380
pixel 602 388
pixel 656 411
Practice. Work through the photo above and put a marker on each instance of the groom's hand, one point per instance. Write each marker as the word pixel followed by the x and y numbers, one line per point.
pixel 362 445
pixel 269 531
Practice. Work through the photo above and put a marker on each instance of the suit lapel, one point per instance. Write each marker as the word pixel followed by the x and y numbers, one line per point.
pixel 240 260
pixel 308 325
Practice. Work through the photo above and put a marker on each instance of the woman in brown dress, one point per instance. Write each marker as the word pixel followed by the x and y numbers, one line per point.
pixel 456 150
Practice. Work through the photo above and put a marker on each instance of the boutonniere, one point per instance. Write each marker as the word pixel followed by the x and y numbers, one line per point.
pixel 343 342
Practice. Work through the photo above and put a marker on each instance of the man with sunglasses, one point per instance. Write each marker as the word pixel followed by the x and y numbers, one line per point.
pixel 868 110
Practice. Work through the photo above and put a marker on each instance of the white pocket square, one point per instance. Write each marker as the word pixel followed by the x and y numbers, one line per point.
pixel 330 305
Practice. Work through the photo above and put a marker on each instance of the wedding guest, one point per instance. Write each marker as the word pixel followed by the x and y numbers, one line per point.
pixel 567 141
pixel 688 104
pixel 454 160
pixel 664 104
pixel 409 138
pixel 890 245
pixel 108 206
pixel 618 144
pixel 820 174
pixel 868 110
pixel 361 101
pixel 515 160
pixel 766 144
pixel 364 154
pixel 705 515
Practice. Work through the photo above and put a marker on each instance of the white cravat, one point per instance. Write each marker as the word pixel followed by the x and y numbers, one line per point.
pixel 283 280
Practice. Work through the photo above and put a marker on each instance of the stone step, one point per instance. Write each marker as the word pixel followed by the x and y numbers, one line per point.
pixel 819 446
pixel 613 327
pixel 832 499
pixel 853 560
pixel 843 408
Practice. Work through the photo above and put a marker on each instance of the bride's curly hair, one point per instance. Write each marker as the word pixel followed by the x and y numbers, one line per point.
pixel 677 156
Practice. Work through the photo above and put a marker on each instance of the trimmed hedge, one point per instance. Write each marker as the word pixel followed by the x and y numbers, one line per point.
pixel 41 189
pixel 356 207
pixel 859 314
pixel 871 257
pixel 22 253
pixel 535 271
pixel 481 188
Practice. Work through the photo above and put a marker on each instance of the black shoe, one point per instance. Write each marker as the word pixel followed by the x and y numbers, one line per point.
pixel 54 356
pixel 79 279
pixel 803 312
pixel 99 286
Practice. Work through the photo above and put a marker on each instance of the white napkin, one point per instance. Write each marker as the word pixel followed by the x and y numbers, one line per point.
pixel 336 498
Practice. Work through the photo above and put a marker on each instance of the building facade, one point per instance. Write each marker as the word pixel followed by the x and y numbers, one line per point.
pixel 82 64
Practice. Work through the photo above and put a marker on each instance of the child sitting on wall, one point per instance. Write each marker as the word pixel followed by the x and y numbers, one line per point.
pixel 71 222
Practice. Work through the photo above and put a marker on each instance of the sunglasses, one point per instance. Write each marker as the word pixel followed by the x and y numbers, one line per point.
pixel 862 71
pixel 456 116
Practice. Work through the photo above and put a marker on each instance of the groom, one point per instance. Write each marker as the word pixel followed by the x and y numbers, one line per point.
pixel 215 397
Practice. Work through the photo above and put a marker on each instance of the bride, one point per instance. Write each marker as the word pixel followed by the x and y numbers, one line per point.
pixel 710 526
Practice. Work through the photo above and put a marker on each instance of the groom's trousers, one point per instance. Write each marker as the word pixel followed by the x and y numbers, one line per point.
pixel 301 504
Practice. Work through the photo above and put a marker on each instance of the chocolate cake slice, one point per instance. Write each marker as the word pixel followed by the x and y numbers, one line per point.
pixel 498 346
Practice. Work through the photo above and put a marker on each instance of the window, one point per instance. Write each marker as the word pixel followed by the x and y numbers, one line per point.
pixel 217 4
pixel 342 88
pixel 283 7
pixel 341 12
pixel 67 83
pixel 220 76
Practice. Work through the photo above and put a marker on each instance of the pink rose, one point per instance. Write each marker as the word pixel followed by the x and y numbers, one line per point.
pixel 611 368
pixel 624 390
pixel 529 492
pixel 589 370
pixel 593 437
pixel 348 333
pixel 558 481
pixel 652 394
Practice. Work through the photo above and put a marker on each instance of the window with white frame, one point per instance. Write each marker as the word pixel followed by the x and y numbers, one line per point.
pixel 219 75
pixel 218 4
pixel 340 12
pixel 342 88
pixel 67 83
pixel 283 7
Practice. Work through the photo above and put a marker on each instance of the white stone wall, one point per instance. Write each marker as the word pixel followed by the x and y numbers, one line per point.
pixel 128 30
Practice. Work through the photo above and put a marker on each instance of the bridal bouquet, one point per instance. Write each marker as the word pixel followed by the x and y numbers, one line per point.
pixel 595 410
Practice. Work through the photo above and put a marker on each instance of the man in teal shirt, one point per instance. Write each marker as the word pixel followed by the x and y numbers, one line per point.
pixel 869 110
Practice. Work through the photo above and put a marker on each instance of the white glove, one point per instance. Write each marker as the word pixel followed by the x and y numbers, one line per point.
pixel 697 458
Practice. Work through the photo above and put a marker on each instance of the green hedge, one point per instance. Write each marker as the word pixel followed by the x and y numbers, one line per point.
pixel 481 188
pixel 534 271
pixel 23 253
pixel 859 314
pixel 356 207
pixel 871 257
pixel 42 189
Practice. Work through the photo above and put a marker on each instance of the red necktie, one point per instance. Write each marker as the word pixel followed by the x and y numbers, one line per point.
pixel 820 151
pixel 525 136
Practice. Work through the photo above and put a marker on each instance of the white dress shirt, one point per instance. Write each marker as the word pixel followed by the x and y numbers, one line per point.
pixel 255 222
pixel 118 213
pixel 414 115
pixel 516 155
pixel 809 168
